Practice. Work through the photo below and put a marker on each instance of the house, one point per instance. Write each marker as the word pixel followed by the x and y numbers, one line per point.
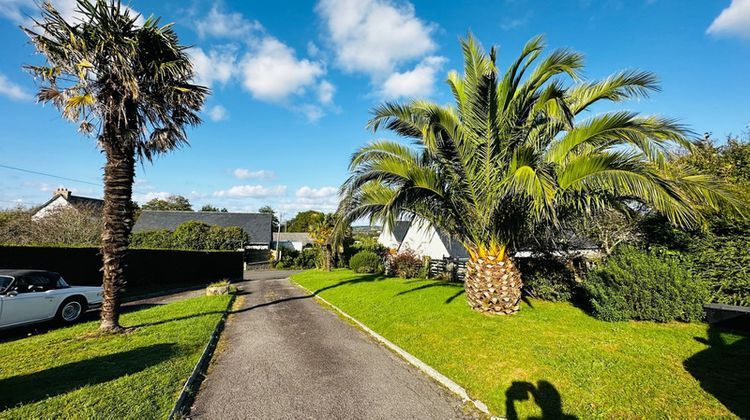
pixel 425 240
pixel 291 240
pixel 391 237
pixel 256 225
pixel 63 199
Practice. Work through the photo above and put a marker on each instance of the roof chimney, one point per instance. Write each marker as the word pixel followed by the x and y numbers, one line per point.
pixel 63 192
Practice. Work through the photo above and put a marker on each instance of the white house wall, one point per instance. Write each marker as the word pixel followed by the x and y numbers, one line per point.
pixel 56 204
pixel 424 240
pixel 387 239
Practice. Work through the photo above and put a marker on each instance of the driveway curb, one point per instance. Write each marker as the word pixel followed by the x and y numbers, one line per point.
pixel 413 360
pixel 182 404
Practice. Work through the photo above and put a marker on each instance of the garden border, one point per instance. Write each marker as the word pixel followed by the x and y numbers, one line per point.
pixel 413 360
pixel 196 377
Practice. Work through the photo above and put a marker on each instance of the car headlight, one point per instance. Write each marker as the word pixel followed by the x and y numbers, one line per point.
pixel 100 294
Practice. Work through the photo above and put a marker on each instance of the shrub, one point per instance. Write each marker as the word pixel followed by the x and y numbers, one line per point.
pixel 548 278
pixel 154 239
pixel 291 258
pixel 406 264
pixel 366 262
pixel 634 284
pixel 192 236
pixel 722 261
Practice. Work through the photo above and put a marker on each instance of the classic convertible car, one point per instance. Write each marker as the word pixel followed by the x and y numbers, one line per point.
pixel 30 296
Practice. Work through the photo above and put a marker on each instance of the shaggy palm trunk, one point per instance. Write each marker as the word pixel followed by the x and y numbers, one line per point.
pixel 328 257
pixel 493 285
pixel 119 173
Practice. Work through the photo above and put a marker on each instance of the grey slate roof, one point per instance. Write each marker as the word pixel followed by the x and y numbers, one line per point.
pixel 400 228
pixel 257 225
pixel 302 237
pixel 77 202
pixel 454 247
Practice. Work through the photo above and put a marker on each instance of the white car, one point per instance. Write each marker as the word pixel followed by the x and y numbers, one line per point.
pixel 30 296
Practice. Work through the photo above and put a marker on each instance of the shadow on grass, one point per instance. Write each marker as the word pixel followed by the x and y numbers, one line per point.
pixel 723 369
pixel 33 387
pixel 429 286
pixel 545 395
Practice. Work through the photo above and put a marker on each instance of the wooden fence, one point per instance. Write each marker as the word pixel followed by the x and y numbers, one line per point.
pixel 453 268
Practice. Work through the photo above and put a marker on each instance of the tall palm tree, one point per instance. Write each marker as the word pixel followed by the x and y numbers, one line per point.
pixel 518 151
pixel 323 235
pixel 127 85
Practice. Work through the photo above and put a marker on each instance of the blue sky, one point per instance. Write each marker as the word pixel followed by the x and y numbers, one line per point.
pixel 293 83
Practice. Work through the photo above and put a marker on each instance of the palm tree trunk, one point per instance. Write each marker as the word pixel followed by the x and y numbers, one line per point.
pixel 328 255
pixel 493 285
pixel 119 173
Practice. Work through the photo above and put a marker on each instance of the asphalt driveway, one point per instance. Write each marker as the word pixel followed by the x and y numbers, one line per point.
pixel 284 356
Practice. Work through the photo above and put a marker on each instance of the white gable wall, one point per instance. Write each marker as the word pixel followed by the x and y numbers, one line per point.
pixel 387 239
pixel 424 240
pixel 56 204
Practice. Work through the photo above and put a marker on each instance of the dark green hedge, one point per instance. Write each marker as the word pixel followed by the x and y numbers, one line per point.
pixel 81 266
pixel 634 284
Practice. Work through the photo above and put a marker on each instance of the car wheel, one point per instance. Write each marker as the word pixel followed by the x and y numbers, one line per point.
pixel 71 310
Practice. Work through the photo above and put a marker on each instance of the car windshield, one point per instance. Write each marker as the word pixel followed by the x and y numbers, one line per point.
pixel 5 281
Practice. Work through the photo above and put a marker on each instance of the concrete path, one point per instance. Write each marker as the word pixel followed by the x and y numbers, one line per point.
pixel 285 357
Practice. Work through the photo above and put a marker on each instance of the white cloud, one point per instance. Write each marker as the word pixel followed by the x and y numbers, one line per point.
pixel 418 82
pixel 272 72
pixel 312 49
pixel 307 192
pixel 20 10
pixel 311 111
pixel 12 90
pixel 373 36
pixel 324 199
pixel 734 20
pixel 226 25
pixel 217 66
pixel 144 198
pixel 258 191
pixel 242 173
pixel 325 92
pixel 218 113
pixel 509 24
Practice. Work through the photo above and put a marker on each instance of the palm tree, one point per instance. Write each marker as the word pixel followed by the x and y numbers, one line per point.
pixel 518 151
pixel 129 86
pixel 323 236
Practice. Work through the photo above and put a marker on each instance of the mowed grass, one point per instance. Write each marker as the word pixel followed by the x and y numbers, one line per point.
pixel 72 373
pixel 551 359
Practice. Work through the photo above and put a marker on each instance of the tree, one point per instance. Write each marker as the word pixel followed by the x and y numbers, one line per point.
pixel 210 208
pixel 274 220
pixel 130 87
pixel 517 151
pixel 303 220
pixel 322 235
pixel 171 203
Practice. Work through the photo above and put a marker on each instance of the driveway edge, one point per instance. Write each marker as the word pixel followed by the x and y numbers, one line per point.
pixel 413 360
pixel 193 382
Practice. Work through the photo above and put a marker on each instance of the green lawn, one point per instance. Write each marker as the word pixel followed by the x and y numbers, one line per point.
pixel 551 359
pixel 69 373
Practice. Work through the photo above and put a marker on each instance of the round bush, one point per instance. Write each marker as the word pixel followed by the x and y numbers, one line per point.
pixel 547 278
pixel 634 284
pixel 366 262
pixel 407 264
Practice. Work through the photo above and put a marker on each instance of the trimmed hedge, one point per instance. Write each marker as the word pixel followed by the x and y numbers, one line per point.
pixel 81 266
